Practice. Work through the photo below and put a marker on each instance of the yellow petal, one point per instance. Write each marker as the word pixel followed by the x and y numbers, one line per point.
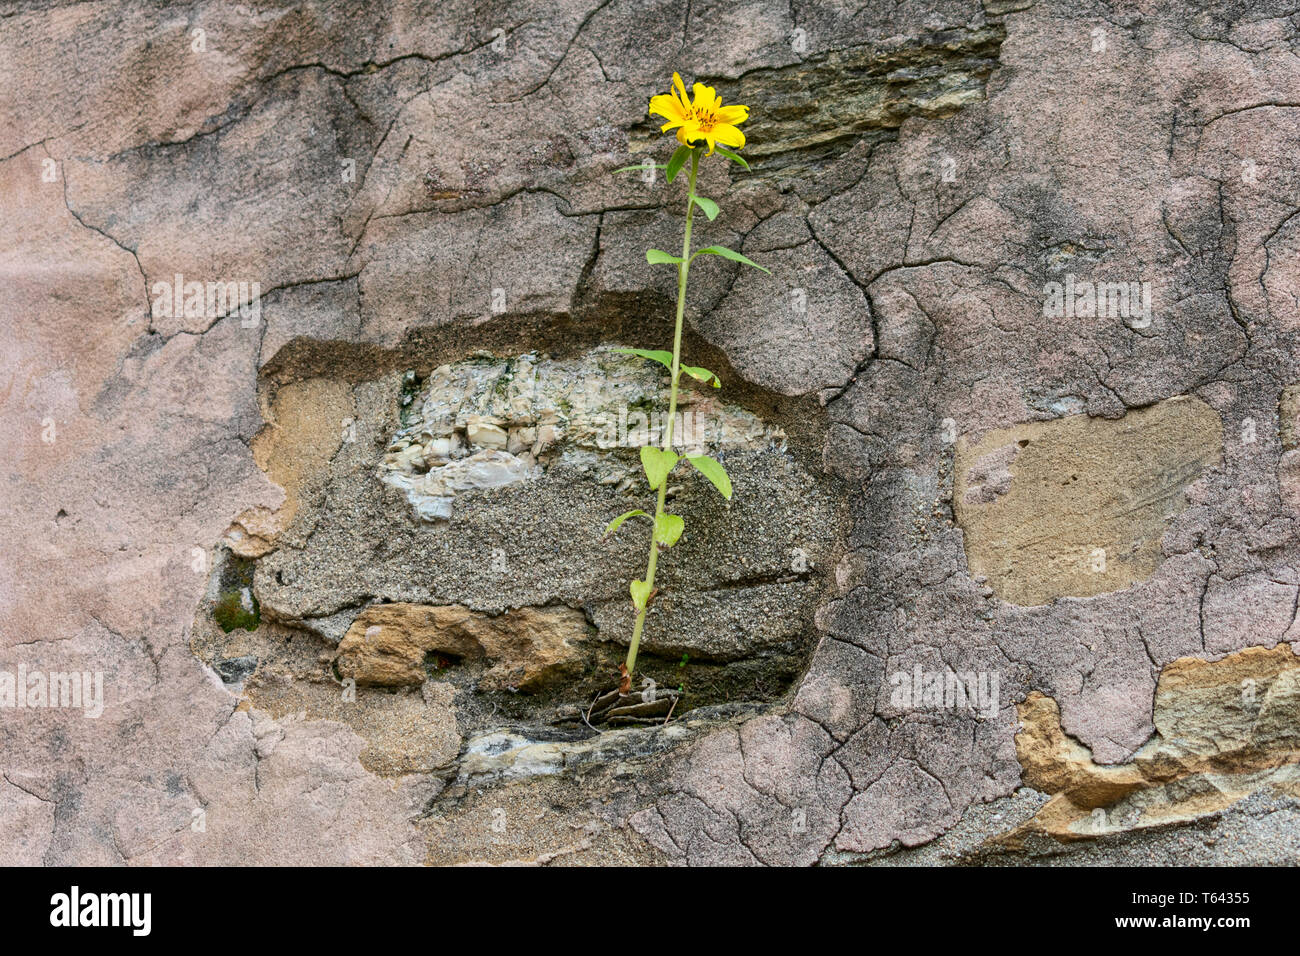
pixel 706 98
pixel 679 87
pixel 728 135
pixel 731 115
pixel 668 107
pixel 709 140
pixel 689 133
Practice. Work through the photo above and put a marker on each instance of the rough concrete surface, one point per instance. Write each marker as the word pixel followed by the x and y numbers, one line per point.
pixel 1010 572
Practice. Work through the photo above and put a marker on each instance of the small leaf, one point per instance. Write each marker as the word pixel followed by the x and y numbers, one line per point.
pixel 657 257
pixel 702 375
pixel 640 594
pixel 633 169
pixel 734 157
pixel 713 471
pixel 657 463
pixel 655 355
pixel 729 254
pixel 708 205
pixel 613 525
pixel 675 164
pixel 668 528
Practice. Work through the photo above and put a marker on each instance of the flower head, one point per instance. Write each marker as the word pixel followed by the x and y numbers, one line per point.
pixel 704 119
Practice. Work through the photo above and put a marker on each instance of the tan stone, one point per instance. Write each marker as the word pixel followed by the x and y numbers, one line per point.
pixel 1224 729
pixel 1288 478
pixel 305 426
pixel 527 647
pixel 1245 701
pixel 1055 763
pixel 403 733
pixel 1288 418
pixel 253 533
pixel 1077 506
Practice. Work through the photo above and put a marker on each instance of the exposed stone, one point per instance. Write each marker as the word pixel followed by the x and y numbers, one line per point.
pixel 821 105
pixel 506 756
pixel 488 422
pixel 253 533
pixel 1078 506
pixel 306 423
pixel 737 619
pixel 404 733
pixel 1224 730
pixel 234 670
pixel 526 648
pixel 1288 417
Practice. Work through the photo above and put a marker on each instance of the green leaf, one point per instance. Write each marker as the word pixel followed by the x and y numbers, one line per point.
pixel 613 525
pixel 640 594
pixel 657 463
pixel 734 157
pixel 657 257
pixel 713 471
pixel 702 374
pixel 666 360
pixel 668 528
pixel 634 169
pixel 729 254
pixel 708 205
pixel 655 355
pixel 675 164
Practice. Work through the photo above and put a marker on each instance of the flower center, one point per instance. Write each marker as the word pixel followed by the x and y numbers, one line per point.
pixel 705 119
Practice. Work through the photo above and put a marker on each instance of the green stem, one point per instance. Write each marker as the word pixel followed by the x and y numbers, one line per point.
pixel 682 271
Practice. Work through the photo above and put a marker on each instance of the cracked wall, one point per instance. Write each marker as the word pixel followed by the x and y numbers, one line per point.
pixel 924 170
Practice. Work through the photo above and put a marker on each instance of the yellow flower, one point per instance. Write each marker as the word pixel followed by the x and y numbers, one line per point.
pixel 705 118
